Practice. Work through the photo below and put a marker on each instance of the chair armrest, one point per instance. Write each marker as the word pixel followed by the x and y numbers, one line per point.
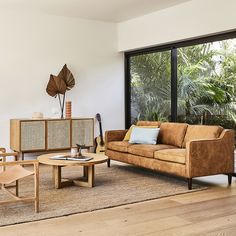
pixel 3 150
pixel 114 135
pixel 209 157
pixel 7 154
pixel 11 163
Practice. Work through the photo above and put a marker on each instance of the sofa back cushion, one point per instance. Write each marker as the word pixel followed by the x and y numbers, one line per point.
pixel 148 123
pixel 202 132
pixel 144 135
pixel 144 124
pixel 128 133
pixel 172 133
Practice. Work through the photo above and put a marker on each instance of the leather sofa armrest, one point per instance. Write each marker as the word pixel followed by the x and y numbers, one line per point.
pixel 209 157
pixel 114 135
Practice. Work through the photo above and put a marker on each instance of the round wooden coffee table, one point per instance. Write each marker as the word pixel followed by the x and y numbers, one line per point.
pixel 87 179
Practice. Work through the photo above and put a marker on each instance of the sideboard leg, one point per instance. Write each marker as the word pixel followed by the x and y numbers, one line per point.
pixel 189 183
pixel 229 179
pixel 22 156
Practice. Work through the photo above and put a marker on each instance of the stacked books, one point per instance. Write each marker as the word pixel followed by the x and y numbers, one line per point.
pixel 70 158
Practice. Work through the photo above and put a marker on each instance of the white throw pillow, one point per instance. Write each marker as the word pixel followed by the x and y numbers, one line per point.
pixel 144 135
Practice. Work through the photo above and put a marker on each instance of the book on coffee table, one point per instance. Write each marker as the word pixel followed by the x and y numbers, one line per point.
pixel 70 158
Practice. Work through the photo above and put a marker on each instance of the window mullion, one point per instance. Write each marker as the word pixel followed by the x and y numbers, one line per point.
pixel 174 84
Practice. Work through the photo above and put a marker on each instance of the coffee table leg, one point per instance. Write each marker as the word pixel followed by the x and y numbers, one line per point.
pixel 57 176
pixel 89 174
pixel 85 172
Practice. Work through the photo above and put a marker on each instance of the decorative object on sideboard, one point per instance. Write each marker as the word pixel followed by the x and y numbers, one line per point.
pixel 68 109
pixel 37 115
pixel 58 85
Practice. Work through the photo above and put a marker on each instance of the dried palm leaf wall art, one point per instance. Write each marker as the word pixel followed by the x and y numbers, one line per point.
pixel 58 85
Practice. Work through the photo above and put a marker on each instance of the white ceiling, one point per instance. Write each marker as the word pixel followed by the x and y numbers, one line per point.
pixel 103 10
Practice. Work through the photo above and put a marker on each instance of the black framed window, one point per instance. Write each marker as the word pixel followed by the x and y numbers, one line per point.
pixel 150 79
pixel 191 81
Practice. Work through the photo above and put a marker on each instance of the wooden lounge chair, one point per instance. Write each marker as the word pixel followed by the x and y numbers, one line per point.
pixel 14 171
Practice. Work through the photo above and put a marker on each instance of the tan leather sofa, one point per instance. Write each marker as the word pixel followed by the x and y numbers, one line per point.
pixel 184 150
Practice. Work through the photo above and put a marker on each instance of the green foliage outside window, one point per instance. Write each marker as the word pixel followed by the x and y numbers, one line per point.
pixel 206 84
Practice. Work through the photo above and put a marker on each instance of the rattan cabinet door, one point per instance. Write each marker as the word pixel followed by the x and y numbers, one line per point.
pixel 32 135
pixel 58 134
pixel 83 132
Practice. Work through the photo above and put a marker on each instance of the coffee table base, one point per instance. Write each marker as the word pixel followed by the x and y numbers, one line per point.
pixel 87 179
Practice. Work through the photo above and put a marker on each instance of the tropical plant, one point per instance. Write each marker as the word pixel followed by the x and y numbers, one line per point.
pixel 206 82
pixel 150 86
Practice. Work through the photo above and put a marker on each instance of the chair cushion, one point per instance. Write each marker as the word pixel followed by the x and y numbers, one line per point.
pixel 172 155
pixel 147 150
pixel 120 146
pixel 202 132
pixel 172 133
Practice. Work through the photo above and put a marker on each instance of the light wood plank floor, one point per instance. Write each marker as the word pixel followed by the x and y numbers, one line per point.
pixel 209 212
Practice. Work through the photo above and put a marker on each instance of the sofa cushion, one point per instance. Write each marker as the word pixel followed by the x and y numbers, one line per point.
pixel 120 146
pixel 147 150
pixel 172 133
pixel 148 123
pixel 128 134
pixel 144 135
pixel 202 132
pixel 171 155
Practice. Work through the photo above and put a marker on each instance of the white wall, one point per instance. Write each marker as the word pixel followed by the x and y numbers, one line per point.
pixel 187 20
pixel 32 46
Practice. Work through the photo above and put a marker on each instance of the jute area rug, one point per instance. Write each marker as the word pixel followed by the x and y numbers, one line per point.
pixel 119 185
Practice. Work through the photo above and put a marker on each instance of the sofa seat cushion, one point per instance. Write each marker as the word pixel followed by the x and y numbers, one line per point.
pixel 172 155
pixel 172 133
pixel 147 150
pixel 120 146
pixel 202 132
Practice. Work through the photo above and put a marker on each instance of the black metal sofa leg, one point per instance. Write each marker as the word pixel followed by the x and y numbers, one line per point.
pixel 108 162
pixel 229 179
pixel 189 183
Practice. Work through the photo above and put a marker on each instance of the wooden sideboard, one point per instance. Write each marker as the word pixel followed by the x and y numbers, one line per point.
pixel 31 135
